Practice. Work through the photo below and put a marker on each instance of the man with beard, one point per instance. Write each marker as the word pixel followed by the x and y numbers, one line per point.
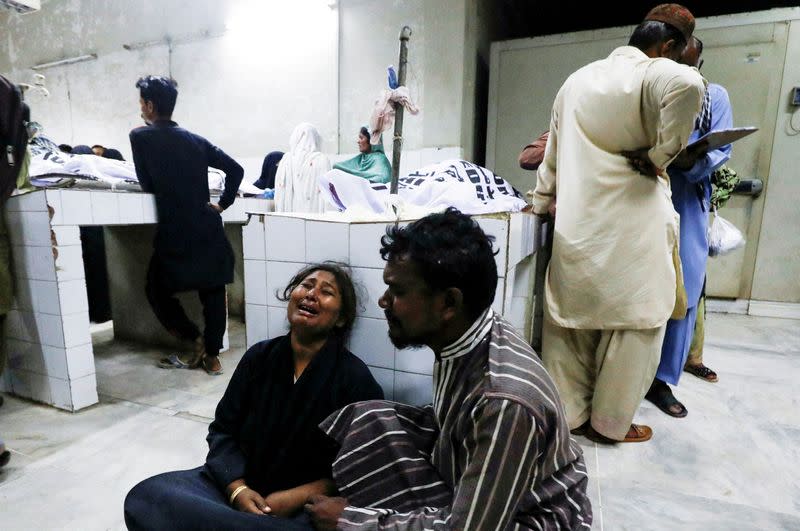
pixel 496 445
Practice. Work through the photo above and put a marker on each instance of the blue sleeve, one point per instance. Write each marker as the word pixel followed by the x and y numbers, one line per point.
pixel 721 118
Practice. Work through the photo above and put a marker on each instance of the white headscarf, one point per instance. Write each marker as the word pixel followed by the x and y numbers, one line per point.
pixel 296 188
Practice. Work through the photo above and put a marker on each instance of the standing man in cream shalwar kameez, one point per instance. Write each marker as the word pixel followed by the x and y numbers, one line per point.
pixel 611 284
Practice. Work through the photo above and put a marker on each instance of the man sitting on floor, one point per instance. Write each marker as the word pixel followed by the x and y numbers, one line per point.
pixel 494 451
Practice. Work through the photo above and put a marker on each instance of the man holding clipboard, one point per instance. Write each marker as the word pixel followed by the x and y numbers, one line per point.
pixel 690 180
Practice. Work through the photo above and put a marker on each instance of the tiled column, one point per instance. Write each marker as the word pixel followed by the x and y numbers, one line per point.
pixel 49 347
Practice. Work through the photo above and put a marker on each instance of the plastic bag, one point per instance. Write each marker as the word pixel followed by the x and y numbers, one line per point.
pixel 723 236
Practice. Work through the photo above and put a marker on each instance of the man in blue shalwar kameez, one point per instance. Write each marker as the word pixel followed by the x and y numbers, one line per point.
pixel 690 180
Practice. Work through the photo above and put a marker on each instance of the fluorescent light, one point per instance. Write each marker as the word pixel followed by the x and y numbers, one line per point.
pixel 69 61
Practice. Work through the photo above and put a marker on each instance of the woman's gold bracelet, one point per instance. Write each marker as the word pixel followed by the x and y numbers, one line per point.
pixel 236 492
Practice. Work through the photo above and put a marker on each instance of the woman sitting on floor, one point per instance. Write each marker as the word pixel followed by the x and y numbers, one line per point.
pixel 371 163
pixel 266 453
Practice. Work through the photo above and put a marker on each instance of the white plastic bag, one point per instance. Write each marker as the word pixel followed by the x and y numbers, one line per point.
pixel 723 236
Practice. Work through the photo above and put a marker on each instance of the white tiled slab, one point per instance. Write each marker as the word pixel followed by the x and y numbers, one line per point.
pixel 253 239
pixel 149 213
pixel 278 276
pixel 54 207
pixel 255 280
pixel 36 263
pixel 365 244
pixel 80 361
pixel 76 329
pixel 30 202
pixel 131 211
pixel 23 355
pixel 60 393
pixel 327 241
pixel 76 206
pixel 285 239
pixel 84 392
pixel 370 342
pixel 105 208
pixel 72 296
pixel 370 282
pixel 29 228
pixel 31 385
pixel 64 235
pixel 497 304
pixel 69 263
pixel 499 229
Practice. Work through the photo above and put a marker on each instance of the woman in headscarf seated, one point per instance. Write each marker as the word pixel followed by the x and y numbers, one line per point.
pixel 268 170
pixel 371 163
pixel 296 187
pixel 267 455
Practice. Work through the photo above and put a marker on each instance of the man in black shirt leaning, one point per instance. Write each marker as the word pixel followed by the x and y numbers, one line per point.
pixel 191 251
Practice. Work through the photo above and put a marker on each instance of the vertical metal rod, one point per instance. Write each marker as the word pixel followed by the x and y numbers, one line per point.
pixel 397 146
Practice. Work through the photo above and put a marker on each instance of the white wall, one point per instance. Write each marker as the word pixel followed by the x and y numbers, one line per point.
pixel 273 66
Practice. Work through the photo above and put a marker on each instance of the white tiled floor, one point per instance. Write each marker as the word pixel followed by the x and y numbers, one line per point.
pixel 732 464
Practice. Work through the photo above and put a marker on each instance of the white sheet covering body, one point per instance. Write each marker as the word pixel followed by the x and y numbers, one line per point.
pixel 458 183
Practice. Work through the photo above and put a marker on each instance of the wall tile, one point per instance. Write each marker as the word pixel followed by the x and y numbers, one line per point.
pixel 417 360
pixel 76 329
pixel 253 239
pixel 69 263
pixel 80 361
pixel 285 239
pixel 414 389
pixel 77 207
pixel 327 241
pixel 255 280
pixel 370 342
pixel 278 275
pixel 256 323
pixel 49 329
pixel 105 208
pixel 72 296
pixel 365 244
pixel 277 325
pixel 370 282
pixel 84 392
pixel 23 296
pixel 385 379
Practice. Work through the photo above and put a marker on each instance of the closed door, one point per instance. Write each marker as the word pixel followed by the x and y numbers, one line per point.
pixel 748 62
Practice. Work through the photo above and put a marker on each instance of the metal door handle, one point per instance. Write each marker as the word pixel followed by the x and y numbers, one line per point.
pixel 751 187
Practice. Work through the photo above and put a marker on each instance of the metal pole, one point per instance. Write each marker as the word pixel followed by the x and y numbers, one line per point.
pixel 397 147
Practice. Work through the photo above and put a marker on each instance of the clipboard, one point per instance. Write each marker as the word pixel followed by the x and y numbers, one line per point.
pixel 721 137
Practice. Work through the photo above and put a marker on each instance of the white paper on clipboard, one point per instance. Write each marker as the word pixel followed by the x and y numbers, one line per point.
pixel 721 137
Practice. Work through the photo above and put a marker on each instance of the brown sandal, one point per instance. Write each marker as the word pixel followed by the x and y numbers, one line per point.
pixel 702 372
pixel 636 433
pixel 209 365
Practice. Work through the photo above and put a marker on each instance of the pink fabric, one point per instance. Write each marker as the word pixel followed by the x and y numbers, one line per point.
pixel 383 112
